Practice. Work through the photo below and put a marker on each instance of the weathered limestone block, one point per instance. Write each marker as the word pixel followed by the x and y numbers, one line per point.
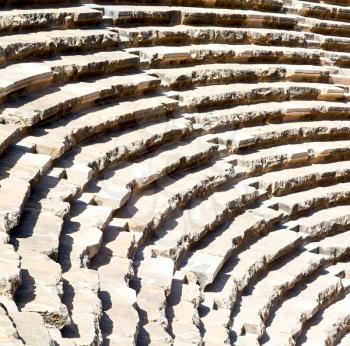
pixel 10 278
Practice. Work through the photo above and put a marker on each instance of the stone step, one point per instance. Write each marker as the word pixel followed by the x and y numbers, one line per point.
pixel 175 237
pixel 39 232
pixel 164 56
pixel 333 2
pixel 9 332
pixel 13 196
pixel 76 96
pixel 8 135
pixel 206 260
pixel 268 112
pixel 41 289
pixel 328 27
pixel 333 325
pixel 81 296
pixel 121 146
pixel 164 15
pixel 183 304
pixel 154 277
pixel 215 324
pixel 322 10
pixel 10 271
pixel 296 179
pixel 242 267
pixel 48 18
pixel 255 308
pixel 25 323
pixel 246 4
pixel 202 98
pixel 301 307
pixel 20 165
pixel 257 137
pixel 185 34
pixel 147 211
pixel 60 136
pixel 335 246
pixel 289 155
pixel 120 320
pixel 23 46
pixel 28 77
pixel 138 175
pixel 82 235
pixel 322 223
pixel 207 74
pixel 315 199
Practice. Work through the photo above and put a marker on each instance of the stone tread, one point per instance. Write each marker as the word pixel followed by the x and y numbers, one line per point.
pixel 317 294
pixel 255 308
pixel 75 96
pixel 33 76
pixel 334 323
pixel 20 47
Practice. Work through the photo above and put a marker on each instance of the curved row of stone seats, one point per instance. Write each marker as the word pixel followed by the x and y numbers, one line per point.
pixel 21 47
pixel 255 308
pixel 321 223
pixel 257 137
pixel 296 179
pixel 320 10
pixel 193 76
pixel 47 18
pixel 270 112
pixel 332 2
pixel 25 78
pixel 129 143
pixel 75 97
pixel 59 136
pixel 335 246
pixel 149 217
pixel 273 5
pixel 164 15
pixel 209 255
pixel 246 263
pixel 333 325
pixel 302 306
pixel 175 236
pixel 162 56
pixel 290 155
pixel 185 34
pixel 138 175
pixel 244 93
pixel 327 27
pixel 149 209
pixel 314 199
